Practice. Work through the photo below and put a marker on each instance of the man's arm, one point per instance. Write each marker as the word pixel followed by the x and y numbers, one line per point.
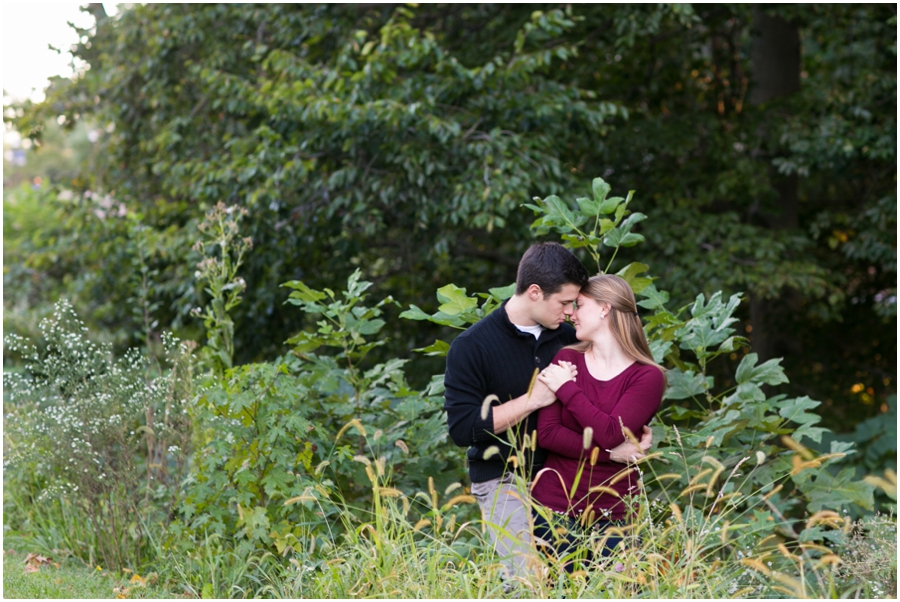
pixel 466 390
pixel 512 412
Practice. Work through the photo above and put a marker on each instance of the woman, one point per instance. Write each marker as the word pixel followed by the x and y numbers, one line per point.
pixel 618 384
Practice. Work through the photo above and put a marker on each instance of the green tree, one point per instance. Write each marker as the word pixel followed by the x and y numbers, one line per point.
pixel 400 140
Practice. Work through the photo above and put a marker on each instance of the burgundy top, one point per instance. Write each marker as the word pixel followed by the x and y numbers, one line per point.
pixel 634 396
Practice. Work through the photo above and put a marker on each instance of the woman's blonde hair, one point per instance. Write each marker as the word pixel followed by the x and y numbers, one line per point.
pixel 623 317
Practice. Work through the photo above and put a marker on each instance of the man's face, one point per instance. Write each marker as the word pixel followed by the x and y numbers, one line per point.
pixel 552 311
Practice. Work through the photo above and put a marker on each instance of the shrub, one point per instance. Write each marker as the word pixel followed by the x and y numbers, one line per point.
pixel 102 441
pixel 272 462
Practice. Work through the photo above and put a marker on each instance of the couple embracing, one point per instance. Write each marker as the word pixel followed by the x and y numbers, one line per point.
pixel 593 380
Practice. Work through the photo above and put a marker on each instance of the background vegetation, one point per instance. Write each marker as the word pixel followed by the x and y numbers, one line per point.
pixel 258 171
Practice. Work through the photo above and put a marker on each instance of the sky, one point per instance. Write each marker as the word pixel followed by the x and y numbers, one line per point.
pixel 28 28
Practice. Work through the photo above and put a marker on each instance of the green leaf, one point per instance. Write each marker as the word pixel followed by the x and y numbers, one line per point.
pixel 414 313
pixel 454 300
pixel 305 342
pixel 277 482
pixel 795 410
pixel 438 348
pixel 659 349
pixel 609 205
pixel 629 274
pixel 588 207
pixel 303 292
pixel 504 292
pixel 827 492
pixel 654 298
pixel 682 385
pixel 631 239
pixel 600 189
pixel 682 413
pixel 370 327
pixel 769 373
pixel 750 391
pixel 605 226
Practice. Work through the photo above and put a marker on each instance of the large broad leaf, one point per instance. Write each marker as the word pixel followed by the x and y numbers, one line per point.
pixel 659 349
pixel 588 207
pixel 370 327
pixel 827 492
pixel 686 384
pixel 654 298
pixel 454 300
pixel 795 410
pixel 630 275
pixel 503 292
pixel 558 215
pixel 769 373
pixel 750 391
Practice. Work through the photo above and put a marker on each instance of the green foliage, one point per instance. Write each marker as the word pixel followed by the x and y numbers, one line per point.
pixel 271 468
pixel 336 128
pixel 97 441
pixel 458 311
pixel 877 439
pixel 725 426
pixel 607 215
pixel 399 140
pixel 747 506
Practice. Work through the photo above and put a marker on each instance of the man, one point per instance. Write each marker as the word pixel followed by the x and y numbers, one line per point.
pixel 498 356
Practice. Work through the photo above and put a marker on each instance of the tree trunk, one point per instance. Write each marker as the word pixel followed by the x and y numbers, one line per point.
pixel 775 57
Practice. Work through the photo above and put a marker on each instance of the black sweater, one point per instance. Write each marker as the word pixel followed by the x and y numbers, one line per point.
pixel 493 356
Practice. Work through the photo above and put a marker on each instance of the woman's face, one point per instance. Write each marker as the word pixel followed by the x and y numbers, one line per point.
pixel 587 317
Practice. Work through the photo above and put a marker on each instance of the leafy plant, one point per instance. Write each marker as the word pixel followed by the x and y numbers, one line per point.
pixel 705 431
pixel 270 468
pixel 223 250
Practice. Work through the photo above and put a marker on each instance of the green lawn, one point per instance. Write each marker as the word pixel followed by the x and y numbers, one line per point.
pixel 70 580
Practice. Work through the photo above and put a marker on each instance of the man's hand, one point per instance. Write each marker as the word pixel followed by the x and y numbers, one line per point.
pixel 627 451
pixel 541 396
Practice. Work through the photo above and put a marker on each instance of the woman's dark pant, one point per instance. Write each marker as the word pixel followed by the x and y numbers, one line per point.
pixel 563 545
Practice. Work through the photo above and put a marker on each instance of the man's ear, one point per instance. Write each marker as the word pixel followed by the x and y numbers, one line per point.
pixel 535 293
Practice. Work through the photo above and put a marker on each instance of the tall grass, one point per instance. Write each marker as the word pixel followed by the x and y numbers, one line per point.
pixel 434 545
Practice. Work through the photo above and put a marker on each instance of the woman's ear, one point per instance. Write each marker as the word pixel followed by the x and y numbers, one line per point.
pixel 605 308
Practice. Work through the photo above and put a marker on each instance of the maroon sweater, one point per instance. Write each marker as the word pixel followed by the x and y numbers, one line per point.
pixel 633 396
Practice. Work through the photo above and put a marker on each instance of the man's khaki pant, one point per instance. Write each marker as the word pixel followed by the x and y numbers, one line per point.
pixel 507 519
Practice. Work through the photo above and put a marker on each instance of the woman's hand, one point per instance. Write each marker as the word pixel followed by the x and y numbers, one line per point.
pixel 555 375
pixel 627 451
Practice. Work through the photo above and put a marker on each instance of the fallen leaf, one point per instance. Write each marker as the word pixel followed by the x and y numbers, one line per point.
pixel 34 561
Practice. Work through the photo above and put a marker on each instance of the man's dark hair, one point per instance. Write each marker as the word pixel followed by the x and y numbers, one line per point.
pixel 550 266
